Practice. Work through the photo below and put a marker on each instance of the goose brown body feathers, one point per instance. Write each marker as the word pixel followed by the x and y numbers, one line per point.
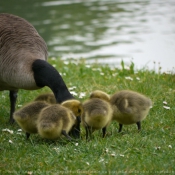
pixel 23 61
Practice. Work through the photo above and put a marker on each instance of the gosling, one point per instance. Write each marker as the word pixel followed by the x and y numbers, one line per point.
pixel 97 114
pixel 129 107
pixel 55 120
pixel 48 97
pixel 76 107
pixel 26 117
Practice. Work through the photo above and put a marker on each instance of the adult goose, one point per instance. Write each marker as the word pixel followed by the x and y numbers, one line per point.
pixel 23 61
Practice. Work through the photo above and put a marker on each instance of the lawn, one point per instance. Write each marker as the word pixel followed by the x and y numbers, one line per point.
pixel 151 151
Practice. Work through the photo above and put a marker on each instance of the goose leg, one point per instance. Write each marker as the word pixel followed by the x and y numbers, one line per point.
pixel 27 135
pixel 104 131
pixel 13 98
pixel 139 125
pixel 120 127
pixel 66 135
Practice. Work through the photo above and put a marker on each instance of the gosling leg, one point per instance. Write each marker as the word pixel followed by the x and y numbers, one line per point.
pixel 66 135
pixel 13 98
pixel 104 131
pixel 27 135
pixel 139 125
pixel 120 127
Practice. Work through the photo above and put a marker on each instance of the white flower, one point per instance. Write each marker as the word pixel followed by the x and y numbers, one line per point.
pixel 82 94
pixel 166 107
pixel 113 155
pixel 128 78
pixel 8 130
pixel 72 88
pixel 53 58
pixel 10 141
pixel 137 78
pixel 19 130
pixel 121 155
pixel 73 93
pixel 169 146
pixel 157 148
pixel 87 163
pixel 101 73
pixel 101 160
pixel 29 172
pixel 164 102
pixel 66 62
pixel 76 144
pixel 106 150
pixel 88 66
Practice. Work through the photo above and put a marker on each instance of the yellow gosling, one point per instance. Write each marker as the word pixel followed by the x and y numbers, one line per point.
pixel 97 114
pixel 27 116
pixel 54 121
pixel 130 107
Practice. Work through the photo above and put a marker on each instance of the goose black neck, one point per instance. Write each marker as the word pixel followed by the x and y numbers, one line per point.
pixel 47 75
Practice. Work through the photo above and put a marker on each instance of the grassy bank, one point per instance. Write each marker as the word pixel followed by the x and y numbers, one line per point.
pixel 150 151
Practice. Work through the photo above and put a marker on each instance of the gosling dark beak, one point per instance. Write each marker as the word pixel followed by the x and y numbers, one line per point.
pixel 76 130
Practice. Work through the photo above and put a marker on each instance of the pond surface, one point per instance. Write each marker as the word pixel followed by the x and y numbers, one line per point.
pixel 104 31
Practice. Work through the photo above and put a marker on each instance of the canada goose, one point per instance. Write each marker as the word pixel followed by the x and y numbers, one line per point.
pixel 27 116
pixel 55 120
pixel 97 114
pixel 23 61
pixel 100 94
pixel 129 107
pixel 47 97
pixel 76 107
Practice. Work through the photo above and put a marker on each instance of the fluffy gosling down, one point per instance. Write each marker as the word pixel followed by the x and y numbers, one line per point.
pixel 97 114
pixel 27 116
pixel 100 94
pixel 47 97
pixel 54 121
pixel 129 107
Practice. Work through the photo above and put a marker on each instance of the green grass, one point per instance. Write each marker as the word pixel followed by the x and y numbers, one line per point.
pixel 149 152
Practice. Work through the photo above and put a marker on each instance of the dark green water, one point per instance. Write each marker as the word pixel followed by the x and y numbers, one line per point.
pixel 106 31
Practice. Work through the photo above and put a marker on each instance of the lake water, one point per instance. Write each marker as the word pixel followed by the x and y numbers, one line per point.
pixel 104 31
